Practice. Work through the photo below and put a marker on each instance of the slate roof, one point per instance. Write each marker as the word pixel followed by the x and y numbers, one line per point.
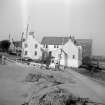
pixel 54 40
pixel 63 40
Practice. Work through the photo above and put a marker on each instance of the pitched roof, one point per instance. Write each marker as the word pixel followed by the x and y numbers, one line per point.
pixel 54 40
pixel 63 40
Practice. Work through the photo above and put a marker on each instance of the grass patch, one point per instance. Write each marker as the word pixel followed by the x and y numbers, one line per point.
pixel 56 79
pixel 37 76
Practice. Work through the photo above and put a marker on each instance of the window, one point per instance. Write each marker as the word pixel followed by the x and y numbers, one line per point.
pixel 57 46
pixel 26 52
pixel 73 56
pixel 35 53
pixel 36 45
pixel 25 45
pixel 46 46
pixel 54 46
pixel 24 40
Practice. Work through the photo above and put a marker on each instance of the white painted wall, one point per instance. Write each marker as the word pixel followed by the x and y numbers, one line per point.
pixel 51 47
pixel 31 41
pixel 72 50
pixel 69 50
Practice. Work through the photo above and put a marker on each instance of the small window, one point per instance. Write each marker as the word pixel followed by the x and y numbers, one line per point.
pixel 43 46
pixel 24 40
pixel 25 45
pixel 73 56
pixel 52 61
pixel 57 46
pixel 26 52
pixel 46 46
pixel 36 45
pixel 54 46
pixel 35 53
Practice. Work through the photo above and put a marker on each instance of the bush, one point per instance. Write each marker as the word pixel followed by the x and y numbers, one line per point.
pixel 33 77
pixel 4 45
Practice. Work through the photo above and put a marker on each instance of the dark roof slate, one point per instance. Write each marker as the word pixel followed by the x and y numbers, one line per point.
pixel 54 40
pixel 63 40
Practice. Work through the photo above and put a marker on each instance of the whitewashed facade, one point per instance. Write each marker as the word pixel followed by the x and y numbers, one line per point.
pixel 73 54
pixel 31 48
pixel 64 51
pixel 52 47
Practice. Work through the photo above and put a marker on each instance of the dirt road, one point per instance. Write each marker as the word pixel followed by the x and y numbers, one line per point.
pixel 97 90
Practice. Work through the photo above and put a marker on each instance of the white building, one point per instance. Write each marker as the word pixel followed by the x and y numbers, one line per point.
pixel 31 48
pixel 64 50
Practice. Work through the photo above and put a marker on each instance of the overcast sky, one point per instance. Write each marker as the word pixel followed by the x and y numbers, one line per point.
pixel 81 18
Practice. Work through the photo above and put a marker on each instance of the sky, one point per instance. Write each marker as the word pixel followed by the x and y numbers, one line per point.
pixel 80 18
